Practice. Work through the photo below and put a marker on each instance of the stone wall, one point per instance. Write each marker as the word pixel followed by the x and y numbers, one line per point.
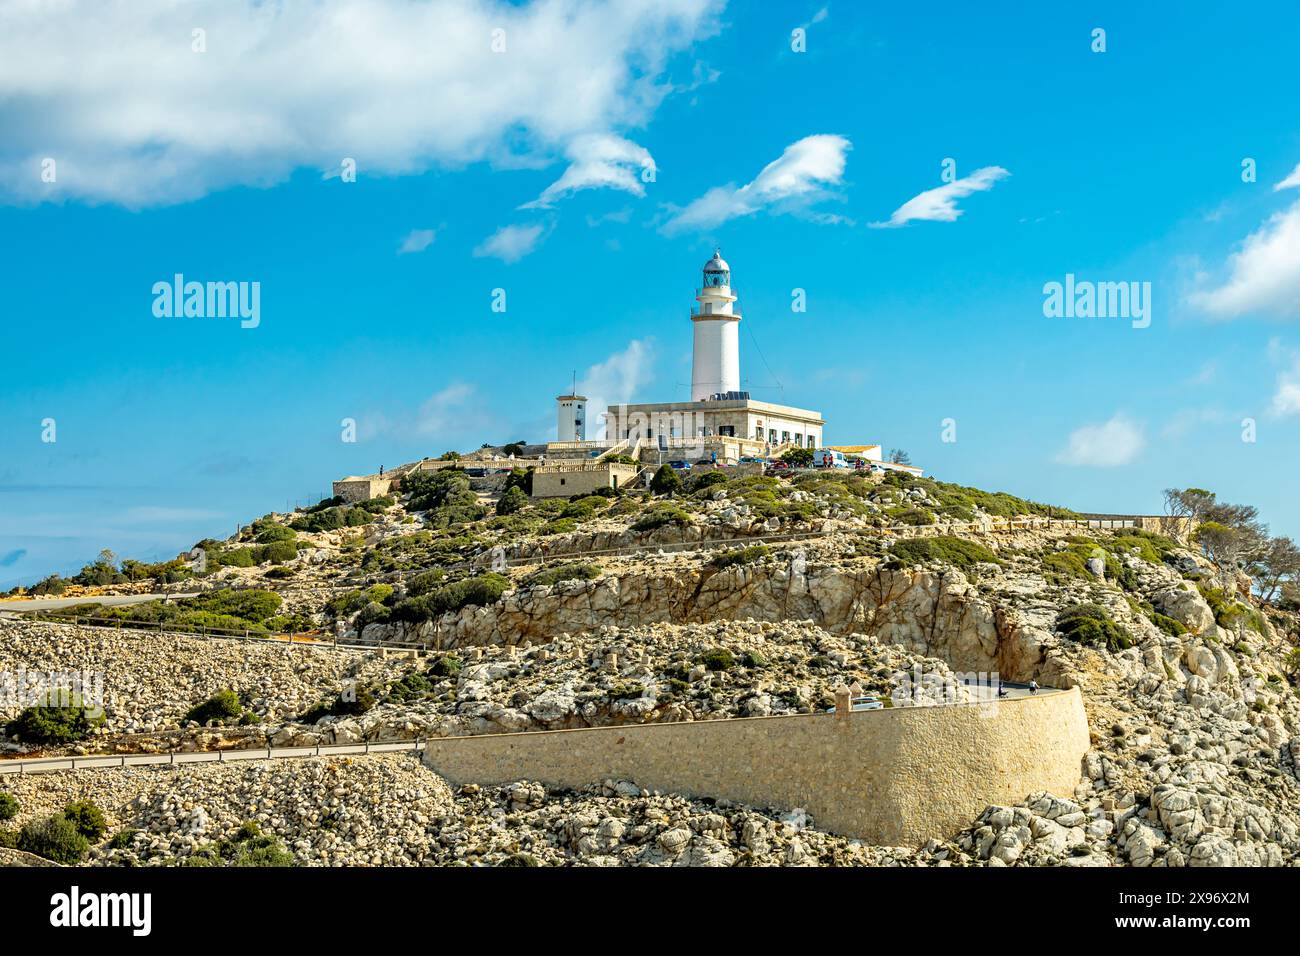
pixel 362 489
pixel 894 777
pixel 558 481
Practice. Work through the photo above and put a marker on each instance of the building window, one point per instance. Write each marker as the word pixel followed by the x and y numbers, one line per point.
pixel 798 438
pixel 771 436
pixel 811 443
pixel 561 481
pixel 785 437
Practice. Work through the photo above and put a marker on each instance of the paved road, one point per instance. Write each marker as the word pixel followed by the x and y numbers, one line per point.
pixel 23 605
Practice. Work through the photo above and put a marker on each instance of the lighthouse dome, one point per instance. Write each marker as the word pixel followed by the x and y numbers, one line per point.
pixel 717 263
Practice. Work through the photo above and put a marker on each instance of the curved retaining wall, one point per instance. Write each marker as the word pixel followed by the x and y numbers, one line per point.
pixel 894 777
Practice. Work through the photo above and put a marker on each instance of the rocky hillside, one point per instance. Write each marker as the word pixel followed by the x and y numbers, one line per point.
pixel 728 598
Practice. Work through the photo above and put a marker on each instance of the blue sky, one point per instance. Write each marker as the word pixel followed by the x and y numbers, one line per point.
pixel 376 295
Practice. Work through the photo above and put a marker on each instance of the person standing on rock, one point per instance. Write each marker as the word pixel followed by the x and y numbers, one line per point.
pixel 1033 687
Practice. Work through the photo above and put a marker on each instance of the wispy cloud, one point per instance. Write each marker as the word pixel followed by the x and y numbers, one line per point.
pixel 1108 444
pixel 1263 276
pixel 599 161
pixel 792 183
pixel 417 240
pixel 1286 391
pixel 1291 181
pixel 449 414
pixel 510 243
pixel 616 380
pixel 940 204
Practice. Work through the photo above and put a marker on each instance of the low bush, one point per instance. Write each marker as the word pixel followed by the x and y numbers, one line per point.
pixel 511 501
pixel 575 571
pixel 87 818
pixel 957 552
pixel 665 481
pixel 223 705
pixel 660 516
pixel 54 838
pixel 1091 625
pixel 746 555
pixel 718 659
pixel 57 721
pixel 8 806
pixel 482 590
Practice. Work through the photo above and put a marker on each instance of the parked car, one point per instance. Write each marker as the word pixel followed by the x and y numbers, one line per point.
pixel 680 465
pixel 753 461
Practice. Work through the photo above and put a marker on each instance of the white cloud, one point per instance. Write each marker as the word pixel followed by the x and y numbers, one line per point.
pixel 1263 276
pixel 417 240
pixel 790 183
pixel 112 91
pixel 450 414
pixel 1189 419
pixel 940 204
pixel 510 243
pixel 1286 394
pixel 1291 181
pixel 615 381
pixel 598 161
pixel 1107 445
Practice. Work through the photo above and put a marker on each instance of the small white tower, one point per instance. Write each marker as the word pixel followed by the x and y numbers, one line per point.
pixel 716 362
pixel 571 417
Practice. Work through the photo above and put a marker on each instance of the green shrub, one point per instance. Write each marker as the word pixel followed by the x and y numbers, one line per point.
pixel 1091 625
pixel 8 806
pixel 511 501
pixel 1228 613
pixel 51 585
pixel 54 838
pixel 410 687
pixel 238 558
pixel 249 847
pixel 718 659
pixel 8 838
pixel 122 839
pixel 659 516
pixel 798 457
pixel 559 526
pixel 51 723
pixel 521 479
pixel 746 555
pixel 277 552
pixel 957 552
pixel 223 705
pixel 482 590
pixel 708 480
pixel 574 571
pixel 665 481
pixel 87 818
pixel 1169 625
pixel 448 665
pixel 269 532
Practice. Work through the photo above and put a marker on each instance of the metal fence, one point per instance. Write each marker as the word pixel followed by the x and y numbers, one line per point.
pixel 52 764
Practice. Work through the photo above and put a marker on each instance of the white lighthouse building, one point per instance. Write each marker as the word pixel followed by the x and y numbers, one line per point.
pixel 715 368
pixel 571 417
pixel 721 421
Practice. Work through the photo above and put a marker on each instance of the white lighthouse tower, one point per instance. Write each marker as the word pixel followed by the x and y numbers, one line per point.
pixel 716 363
pixel 571 417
